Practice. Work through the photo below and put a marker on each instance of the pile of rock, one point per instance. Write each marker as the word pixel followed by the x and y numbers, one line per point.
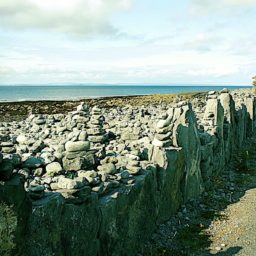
pixel 133 164
pixel 78 156
pixel 95 131
pixel 80 117
pixel 254 81
pixel 7 147
pixel 163 135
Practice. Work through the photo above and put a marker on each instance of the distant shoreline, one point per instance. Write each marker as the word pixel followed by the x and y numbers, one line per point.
pixel 25 93
pixel 18 110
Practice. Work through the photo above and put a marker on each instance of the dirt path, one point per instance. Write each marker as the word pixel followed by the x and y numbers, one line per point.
pixel 236 235
pixel 222 222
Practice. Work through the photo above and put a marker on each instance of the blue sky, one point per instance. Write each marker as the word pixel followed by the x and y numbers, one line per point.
pixel 127 41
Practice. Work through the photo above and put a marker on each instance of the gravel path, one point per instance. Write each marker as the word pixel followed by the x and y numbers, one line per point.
pixel 221 222
pixel 236 235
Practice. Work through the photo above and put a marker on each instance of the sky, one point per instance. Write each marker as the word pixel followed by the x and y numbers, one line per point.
pixel 127 42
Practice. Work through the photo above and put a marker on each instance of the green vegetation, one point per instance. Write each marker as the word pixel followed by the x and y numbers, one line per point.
pixel 242 160
pixel 8 224
pixel 194 237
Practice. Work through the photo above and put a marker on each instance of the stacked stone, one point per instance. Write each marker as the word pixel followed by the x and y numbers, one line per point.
pixel 163 135
pixel 26 143
pixel 39 120
pixel 133 164
pixel 36 191
pixel 210 118
pixel 254 81
pixel 82 107
pixel 7 164
pixel 4 133
pixel 78 156
pixel 95 131
pixel 81 116
pixel 7 147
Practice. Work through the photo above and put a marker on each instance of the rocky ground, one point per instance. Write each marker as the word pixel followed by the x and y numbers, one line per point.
pixel 221 222
pixel 102 148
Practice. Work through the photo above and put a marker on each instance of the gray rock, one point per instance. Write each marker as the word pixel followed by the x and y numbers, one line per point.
pixel 125 174
pixel 40 121
pixel 164 123
pixel 66 183
pixel 8 150
pixel 164 143
pixel 21 139
pixel 24 172
pixel 211 92
pixel 163 137
pixel 53 168
pixel 79 163
pixel 134 170
pixel 37 188
pixel 72 146
pixel 109 168
pixel 33 162
pixel 97 138
pixel 82 136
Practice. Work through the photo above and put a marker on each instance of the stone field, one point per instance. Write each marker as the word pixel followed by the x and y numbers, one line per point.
pixel 98 181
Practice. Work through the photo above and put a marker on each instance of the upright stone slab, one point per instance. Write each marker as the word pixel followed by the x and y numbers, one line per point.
pixel 185 135
pixel 170 173
pixel 130 217
pixel 250 106
pixel 228 105
pixel 214 126
pixel 59 228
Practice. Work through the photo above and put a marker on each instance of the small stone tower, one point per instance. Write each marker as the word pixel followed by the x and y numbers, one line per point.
pixel 254 84
pixel 254 81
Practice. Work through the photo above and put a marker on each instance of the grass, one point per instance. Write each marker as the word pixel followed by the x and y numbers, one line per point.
pixel 194 237
pixel 8 224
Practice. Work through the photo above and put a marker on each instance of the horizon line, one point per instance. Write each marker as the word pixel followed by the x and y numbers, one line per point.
pixel 124 84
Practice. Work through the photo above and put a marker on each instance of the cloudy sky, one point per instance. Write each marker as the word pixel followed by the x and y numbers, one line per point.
pixel 127 41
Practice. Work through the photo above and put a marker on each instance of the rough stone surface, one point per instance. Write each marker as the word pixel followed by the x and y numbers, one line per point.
pixel 98 181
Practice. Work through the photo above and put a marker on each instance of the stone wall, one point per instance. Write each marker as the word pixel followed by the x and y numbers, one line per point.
pixel 117 208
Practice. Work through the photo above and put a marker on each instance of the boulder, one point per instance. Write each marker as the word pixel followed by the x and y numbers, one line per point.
pixel 33 162
pixel 53 168
pixel 109 168
pixel 72 146
pixel 79 163
pixel 66 183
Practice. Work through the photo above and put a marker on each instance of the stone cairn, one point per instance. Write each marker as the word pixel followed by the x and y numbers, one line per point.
pixel 209 119
pixel 254 83
pixel 163 135
pixel 96 133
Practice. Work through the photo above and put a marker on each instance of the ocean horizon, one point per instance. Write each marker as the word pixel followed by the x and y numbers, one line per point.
pixel 12 93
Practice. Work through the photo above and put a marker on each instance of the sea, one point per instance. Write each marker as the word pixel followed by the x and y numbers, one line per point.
pixel 13 93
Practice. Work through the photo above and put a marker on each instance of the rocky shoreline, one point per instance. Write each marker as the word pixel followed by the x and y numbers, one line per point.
pixel 113 167
pixel 19 110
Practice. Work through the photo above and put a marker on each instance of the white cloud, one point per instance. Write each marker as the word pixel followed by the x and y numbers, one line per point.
pixel 68 16
pixel 156 67
pixel 203 7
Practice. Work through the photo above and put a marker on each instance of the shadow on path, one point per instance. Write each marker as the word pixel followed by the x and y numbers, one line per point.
pixel 187 234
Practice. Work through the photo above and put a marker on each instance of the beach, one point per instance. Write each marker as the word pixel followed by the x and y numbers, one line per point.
pixel 11 111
